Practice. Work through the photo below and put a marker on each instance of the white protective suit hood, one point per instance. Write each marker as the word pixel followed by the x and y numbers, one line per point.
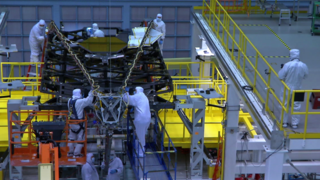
pixel 42 22
pixel 76 94
pixel 95 27
pixel 89 158
pixel 294 54
pixel 112 156
pixel 88 171
pixel 159 17
pixel 139 89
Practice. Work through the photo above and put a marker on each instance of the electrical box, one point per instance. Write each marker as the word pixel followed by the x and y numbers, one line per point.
pixel 277 138
pixel 45 171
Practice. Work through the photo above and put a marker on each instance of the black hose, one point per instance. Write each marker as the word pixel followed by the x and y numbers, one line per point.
pixel 52 141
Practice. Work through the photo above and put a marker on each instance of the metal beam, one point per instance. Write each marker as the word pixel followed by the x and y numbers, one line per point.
pixel 255 108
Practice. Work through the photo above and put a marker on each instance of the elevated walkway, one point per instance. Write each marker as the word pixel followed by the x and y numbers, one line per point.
pixel 255 79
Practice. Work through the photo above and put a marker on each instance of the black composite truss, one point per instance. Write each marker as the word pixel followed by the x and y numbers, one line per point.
pixel 61 74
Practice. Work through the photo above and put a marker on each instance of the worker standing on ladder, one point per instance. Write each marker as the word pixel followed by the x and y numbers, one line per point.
pixel 160 26
pixel 76 106
pixel 292 73
pixel 36 38
pixel 142 115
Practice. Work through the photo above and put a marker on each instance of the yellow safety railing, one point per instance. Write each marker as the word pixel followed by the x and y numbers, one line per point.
pixel 209 77
pixel 306 113
pixel 237 45
pixel 16 69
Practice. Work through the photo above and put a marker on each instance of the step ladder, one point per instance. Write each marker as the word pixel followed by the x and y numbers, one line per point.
pixel 41 66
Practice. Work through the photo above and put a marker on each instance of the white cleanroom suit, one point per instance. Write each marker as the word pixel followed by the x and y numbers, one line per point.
pixel 76 131
pixel 142 115
pixel 96 31
pixel 88 171
pixel 36 38
pixel 160 26
pixel 115 167
pixel 292 73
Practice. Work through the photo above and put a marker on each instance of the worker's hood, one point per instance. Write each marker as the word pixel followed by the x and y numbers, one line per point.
pixel 139 89
pixel 89 158
pixel 95 26
pixel 112 156
pixel 76 94
pixel 294 54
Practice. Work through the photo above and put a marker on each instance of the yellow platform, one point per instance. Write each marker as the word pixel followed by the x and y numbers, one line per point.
pixel 172 122
pixel 3 111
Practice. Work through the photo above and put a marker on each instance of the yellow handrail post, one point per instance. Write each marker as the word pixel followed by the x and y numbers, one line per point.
pixel 255 72
pixel 306 116
pixel 239 49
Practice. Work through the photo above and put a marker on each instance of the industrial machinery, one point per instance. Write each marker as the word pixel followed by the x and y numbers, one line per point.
pixel 315 18
pixel 49 151
pixel 70 63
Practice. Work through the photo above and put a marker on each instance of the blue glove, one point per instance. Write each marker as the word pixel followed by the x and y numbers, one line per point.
pixel 161 41
pixel 127 89
pixel 113 171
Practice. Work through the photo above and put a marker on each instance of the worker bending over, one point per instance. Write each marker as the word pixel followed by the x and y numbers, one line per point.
pixel 142 115
pixel 115 167
pixel 160 26
pixel 36 38
pixel 292 73
pixel 88 171
pixel 76 106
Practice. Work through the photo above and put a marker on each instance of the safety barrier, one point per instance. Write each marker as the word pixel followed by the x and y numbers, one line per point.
pixel 235 6
pixel 166 156
pixel 24 152
pixel 16 69
pixel 306 113
pixel 238 46
pixel 209 77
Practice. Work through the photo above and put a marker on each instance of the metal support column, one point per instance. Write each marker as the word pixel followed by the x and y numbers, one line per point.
pixel 274 166
pixel 231 132
pixel 274 163
pixel 196 129
pixel 197 138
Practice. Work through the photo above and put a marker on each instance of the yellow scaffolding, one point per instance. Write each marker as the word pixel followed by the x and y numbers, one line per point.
pixel 229 34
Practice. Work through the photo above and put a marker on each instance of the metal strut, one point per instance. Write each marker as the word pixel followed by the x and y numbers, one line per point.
pixel 139 53
pixel 66 43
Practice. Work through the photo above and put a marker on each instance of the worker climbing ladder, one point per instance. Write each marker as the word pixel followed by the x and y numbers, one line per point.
pixel 42 60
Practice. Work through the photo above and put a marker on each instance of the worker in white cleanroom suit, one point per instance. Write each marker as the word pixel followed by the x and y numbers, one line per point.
pixel 160 26
pixel 96 31
pixel 36 38
pixel 76 106
pixel 142 115
pixel 88 171
pixel 292 73
pixel 115 167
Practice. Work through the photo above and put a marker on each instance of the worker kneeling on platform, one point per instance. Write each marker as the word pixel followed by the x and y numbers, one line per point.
pixel 142 115
pixel 292 74
pixel 115 167
pixel 76 106
pixel 88 171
